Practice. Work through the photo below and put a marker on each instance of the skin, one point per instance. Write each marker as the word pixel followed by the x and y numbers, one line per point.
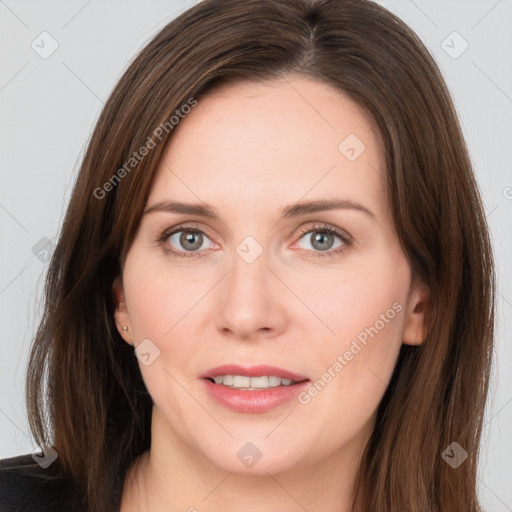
pixel 249 150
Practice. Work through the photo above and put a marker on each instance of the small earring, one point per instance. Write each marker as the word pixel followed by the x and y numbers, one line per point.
pixel 125 328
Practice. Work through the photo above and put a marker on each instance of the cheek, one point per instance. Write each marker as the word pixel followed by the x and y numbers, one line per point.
pixel 367 300
pixel 364 315
pixel 158 299
pixel 164 307
pixel 160 304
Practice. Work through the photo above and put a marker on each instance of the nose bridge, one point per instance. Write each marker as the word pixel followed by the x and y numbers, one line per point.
pixel 248 276
pixel 249 304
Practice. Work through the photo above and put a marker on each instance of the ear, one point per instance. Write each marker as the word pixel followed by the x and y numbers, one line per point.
pixel 121 314
pixel 414 328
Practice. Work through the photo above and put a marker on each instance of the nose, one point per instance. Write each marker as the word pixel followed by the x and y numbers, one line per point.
pixel 252 301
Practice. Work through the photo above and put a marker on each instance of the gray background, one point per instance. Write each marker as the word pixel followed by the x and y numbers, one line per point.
pixel 49 106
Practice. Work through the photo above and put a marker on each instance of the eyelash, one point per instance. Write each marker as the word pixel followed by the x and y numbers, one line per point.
pixel 324 229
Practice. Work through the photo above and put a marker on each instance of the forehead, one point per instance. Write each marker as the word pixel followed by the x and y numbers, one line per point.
pixel 248 144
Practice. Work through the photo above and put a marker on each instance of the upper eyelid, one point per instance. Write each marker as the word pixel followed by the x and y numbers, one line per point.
pixel 324 225
pixel 317 226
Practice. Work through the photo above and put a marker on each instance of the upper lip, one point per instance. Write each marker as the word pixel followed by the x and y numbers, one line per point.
pixel 252 371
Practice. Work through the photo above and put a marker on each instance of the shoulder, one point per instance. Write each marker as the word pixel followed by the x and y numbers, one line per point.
pixel 25 486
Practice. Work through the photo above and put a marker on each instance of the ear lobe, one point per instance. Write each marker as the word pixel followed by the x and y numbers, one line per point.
pixel 121 314
pixel 414 328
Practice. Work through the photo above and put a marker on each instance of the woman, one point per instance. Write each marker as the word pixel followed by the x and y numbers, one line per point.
pixel 274 285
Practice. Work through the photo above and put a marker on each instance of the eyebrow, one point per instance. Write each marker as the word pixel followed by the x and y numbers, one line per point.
pixel 290 211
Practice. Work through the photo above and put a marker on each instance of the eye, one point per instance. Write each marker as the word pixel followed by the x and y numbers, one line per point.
pixel 323 240
pixel 184 241
pixel 189 241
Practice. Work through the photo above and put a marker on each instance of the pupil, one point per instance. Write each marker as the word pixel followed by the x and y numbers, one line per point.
pixel 321 237
pixel 187 237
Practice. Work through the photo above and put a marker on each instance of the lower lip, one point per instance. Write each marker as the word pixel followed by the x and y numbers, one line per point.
pixel 244 400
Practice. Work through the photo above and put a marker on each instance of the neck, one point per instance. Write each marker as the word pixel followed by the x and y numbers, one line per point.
pixel 173 477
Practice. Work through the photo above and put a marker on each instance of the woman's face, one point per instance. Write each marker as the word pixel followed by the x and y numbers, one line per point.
pixel 262 282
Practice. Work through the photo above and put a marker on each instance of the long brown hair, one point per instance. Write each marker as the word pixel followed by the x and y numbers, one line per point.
pixel 85 393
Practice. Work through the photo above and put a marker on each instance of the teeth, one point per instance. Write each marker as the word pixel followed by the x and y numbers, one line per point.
pixel 274 381
pixel 260 382
pixel 241 382
pixel 229 379
pixel 244 382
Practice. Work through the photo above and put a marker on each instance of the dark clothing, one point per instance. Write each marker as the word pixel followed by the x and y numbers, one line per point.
pixel 26 487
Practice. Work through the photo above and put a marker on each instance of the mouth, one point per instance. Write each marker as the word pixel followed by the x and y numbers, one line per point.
pixel 255 377
pixel 254 389
pixel 251 383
